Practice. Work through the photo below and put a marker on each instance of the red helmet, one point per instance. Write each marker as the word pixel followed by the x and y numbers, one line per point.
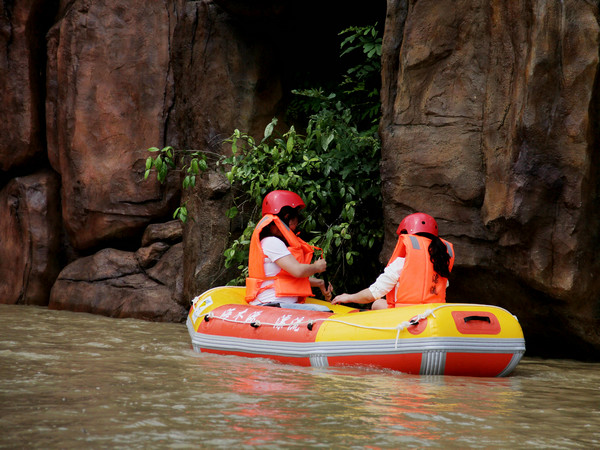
pixel 275 200
pixel 418 223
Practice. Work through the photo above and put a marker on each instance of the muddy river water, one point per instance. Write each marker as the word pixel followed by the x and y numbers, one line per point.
pixel 74 380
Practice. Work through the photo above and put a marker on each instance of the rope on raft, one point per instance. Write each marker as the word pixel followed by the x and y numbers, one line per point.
pixel 309 323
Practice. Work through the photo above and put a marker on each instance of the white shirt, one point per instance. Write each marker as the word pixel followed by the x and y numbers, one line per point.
pixel 274 249
pixel 388 279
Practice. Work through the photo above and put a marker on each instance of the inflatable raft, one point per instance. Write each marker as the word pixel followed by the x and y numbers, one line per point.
pixel 428 339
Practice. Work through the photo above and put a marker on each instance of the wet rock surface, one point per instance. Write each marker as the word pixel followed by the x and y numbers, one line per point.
pixel 29 238
pixel 490 124
pixel 146 284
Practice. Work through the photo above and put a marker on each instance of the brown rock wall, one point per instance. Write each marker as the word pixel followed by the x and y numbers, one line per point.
pixel 488 124
pixel 109 94
pixel 22 55
pixel 29 238
pixel 431 127
pixel 113 283
pixel 227 78
pixel 537 142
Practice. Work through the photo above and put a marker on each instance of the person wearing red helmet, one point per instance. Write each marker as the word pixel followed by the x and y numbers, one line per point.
pixel 417 271
pixel 279 267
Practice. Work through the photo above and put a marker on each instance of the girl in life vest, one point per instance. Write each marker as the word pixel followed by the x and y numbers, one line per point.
pixel 417 272
pixel 279 268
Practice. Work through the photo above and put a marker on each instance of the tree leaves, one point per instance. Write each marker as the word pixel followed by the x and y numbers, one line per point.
pixel 333 166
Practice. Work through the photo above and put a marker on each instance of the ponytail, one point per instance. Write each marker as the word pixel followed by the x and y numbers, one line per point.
pixel 438 255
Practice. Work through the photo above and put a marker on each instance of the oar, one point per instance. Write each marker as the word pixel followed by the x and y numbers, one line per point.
pixel 325 276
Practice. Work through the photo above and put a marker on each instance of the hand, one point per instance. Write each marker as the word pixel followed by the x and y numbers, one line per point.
pixel 342 298
pixel 327 293
pixel 320 265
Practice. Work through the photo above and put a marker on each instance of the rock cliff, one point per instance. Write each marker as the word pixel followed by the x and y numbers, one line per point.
pixel 490 122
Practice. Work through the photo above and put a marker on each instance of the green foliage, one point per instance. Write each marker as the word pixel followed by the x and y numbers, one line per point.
pixel 335 168
pixel 362 81
pixel 360 85
pixel 191 163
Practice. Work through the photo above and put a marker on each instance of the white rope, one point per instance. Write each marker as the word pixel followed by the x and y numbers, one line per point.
pixel 398 328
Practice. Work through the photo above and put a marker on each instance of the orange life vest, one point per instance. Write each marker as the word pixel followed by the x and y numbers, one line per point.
pixel 285 284
pixel 418 282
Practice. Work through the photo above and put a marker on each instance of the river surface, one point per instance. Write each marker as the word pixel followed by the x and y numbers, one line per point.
pixel 75 380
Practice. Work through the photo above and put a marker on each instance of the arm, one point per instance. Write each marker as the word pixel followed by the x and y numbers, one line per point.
pixel 384 283
pixel 299 270
pixel 360 297
pixel 276 251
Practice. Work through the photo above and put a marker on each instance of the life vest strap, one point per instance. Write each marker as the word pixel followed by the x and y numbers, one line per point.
pixel 261 289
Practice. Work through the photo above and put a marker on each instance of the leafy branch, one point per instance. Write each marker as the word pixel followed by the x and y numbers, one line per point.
pixel 191 163
pixel 334 167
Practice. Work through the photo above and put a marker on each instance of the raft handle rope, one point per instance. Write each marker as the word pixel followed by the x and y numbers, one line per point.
pixel 310 324
pixel 401 326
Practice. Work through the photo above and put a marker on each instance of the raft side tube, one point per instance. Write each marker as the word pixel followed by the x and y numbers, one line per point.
pixel 428 339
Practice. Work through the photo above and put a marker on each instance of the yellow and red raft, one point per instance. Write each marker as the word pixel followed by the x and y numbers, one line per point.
pixel 427 339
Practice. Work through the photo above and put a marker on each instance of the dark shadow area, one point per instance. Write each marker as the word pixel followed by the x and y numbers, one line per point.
pixel 545 321
pixel 305 37
pixel 592 226
pixel 41 19
pixel 312 46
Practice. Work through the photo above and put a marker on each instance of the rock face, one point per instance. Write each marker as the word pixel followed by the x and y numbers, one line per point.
pixel 490 124
pixel 239 87
pixel 147 284
pixel 30 238
pixel 108 100
pixel 22 56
